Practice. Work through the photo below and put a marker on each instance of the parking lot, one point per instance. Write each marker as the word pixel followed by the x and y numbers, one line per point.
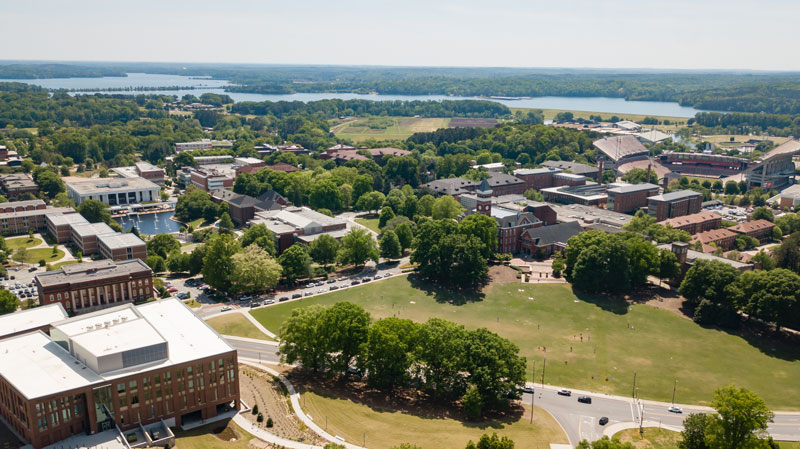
pixel 19 281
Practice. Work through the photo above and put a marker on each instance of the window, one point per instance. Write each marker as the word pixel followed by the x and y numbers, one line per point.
pixel 191 384
pixel 132 385
pixel 158 379
pixel 123 402
pixel 121 388
pixel 168 376
pixel 135 400
pixel 189 371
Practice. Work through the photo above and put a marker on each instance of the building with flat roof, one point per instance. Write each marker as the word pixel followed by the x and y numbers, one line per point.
pixel 674 204
pixel 694 223
pixel 85 236
pixel 627 199
pixel 537 178
pixel 60 226
pixel 144 170
pixel 20 217
pixel 116 369
pixel 89 286
pixel 568 179
pixel 293 224
pixel 494 167
pixel 203 144
pixel 17 184
pixel 37 318
pixel 574 167
pixel 209 179
pixel 121 246
pixel 113 192
pixel 587 195
pixel 243 207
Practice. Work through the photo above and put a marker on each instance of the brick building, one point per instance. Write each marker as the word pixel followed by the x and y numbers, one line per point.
pixel 568 179
pixel 674 204
pixel 37 318
pixel 721 238
pixel 122 246
pixel 537 178
pixel 694 223
pixel 84 236
pixel 587 195
pixel 20 217
pixel 17 184
pixel 243 208
pixel 150 172
pixel 627 199
pixel 760 230
pixel 298 224
pixel 90 286
pixel 546 240
pixel 247 165
pixel 60 226
pixel 116 371
pixel 209 179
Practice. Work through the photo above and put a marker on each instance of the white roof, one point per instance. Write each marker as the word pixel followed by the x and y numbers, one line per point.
pixel 87 229
pixel 66 219
pixel 111 185
pixel 38 366
pixel 120 240
pixel 37 317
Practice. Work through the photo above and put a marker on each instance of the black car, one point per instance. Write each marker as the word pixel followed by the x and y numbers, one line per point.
pixel 283 298
pixel 356 282
pixel 331 281
pixel 366 279
pixel 584 399
pixel 32 269
pixel 603 421
pixel 297 295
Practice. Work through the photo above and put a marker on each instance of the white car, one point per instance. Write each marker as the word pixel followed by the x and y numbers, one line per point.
pixel 675 409
pixel 226 308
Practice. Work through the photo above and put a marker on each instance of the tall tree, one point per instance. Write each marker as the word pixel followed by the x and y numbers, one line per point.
pixel 358 246
pixel 254 270
pixel 345 327
pixel 387 352
pixel 390 246
pixel 8 302
pixel 693 435
pixel 162 245
pixel 741 420
pixel 218 261
pixel 225 223
pixel 484 229
pixel 404 235
pixel 95 211
pixel 261 236
pixel 324 250
pixel 446 207
pixel 295 262
pixel 386 214
pixel 301 341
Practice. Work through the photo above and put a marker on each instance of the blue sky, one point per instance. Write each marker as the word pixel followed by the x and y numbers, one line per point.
pixel 683 34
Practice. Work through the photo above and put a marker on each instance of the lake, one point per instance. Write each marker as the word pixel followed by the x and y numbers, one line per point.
pixel 204 85
pixel 150 224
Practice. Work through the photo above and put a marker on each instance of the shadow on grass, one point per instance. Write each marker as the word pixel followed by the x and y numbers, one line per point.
pixel 444 293
pixel 615 304
pixel 407 401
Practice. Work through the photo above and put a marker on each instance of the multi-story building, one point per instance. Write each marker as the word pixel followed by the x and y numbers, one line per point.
pixel 546 240
pixel 37 318
pixel 89 286
pixel 150 172
pixel 113 192
pixel 60 226
pixel 209 179
pixel 587 195
pixel 17 184
pixel 122 246
pixel 568 179
pixel 247 165
pixel 626 199
pixel 674 204
pixel 760 230
pixel 537 178
pixel 85 236
pixel 694 223
pixel 20 217
pixel 775 169
pixel 204 144
pixel 3 152
pixel 243 208
pixel 501 184
pixel 618 150
pixel 721 238
pixel 574 167
pixel 299 224
pixel 120 371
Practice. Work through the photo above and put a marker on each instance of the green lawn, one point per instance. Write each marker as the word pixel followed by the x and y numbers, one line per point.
pixel 660 348
pixel 400 129
pixel 210 437
pixel 550 114
pixel 384 428
pixel 193 304
pixel 789 444
pixel 237 325
pixel 37 254
pixel 652 438
pixel 22 242
pixel 57 266
pixel 371 223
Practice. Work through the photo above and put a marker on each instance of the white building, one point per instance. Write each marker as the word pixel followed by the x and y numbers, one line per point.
pixel 113 192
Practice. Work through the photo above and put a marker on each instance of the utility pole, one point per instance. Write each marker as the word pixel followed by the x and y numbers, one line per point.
pixel 633 394
pixel 544 366
pixel 674 387
pixel 533 394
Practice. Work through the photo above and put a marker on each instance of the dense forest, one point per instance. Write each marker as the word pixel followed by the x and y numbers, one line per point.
pixel 335 108
pixel 41 71
pixel 744 123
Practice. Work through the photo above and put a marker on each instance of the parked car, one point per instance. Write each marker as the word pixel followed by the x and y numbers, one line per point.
pixel 334 287
pixel 331 281
pixel 172 289
pixel 603 421
pixel 675 409
pixel 355 282
pixel 226 308
pixel 283 298
pixel 378 276
pixel 366 279
pixel 297 295
pixel 527 389
pixel 309 293
pixel 255 304
pixel 32 269
pixel 584 399
pixel 564 392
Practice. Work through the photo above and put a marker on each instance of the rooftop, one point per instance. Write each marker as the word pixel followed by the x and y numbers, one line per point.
pixel 676 195
pixel 750 226
pixel 88 271
pixel 87 229
pixel 714 235
pixel 38 366
pixel 22 204
pixel 557 233
pixel 570 176
pixel 12 323
pixel 618 147
pixel 119 240
pixel 699 217
pixel 48 211
pixel 67 219
pixel 574 167
pixel 536 171
pixel 642 186
pixel 146 166
pixel 107 185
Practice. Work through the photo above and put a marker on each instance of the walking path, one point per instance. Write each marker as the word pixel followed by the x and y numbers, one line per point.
pixel 255 322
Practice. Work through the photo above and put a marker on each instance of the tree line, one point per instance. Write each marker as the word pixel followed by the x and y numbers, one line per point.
pixel 476 367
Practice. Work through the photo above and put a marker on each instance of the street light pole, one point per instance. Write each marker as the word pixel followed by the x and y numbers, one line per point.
pixel 674 387
pixel 533 394
pixel 633 394
pixel 544 366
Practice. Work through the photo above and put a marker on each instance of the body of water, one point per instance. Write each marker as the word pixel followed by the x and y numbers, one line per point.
pixel 160 223
pixel 597 104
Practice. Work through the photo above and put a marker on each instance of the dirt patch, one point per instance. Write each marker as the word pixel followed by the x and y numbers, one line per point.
pixel 226 433
pixel 409 400
pixel 661 298
pixel 501 274
pixel 259 388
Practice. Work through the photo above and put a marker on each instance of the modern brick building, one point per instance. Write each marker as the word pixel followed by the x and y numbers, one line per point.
pixel 574 167
pixel 243 208
pixel 674 204
pixel 627 199
pixel 758 229
pixel 90 286
pixel 19 217
pixel 37 318
pixel 546 240
pixel 537 178
pixel 85 236
pixel 694 223
pixel 209 179
pixel 247 165
pixel 117 371
pixel 568 179
pixel 721 238
pixel 16 184
pixel 150 172
pixel 114 192
pixel 587 195
pixel 503 184
pixel 122 246
pixel 299 224
pixel 60 226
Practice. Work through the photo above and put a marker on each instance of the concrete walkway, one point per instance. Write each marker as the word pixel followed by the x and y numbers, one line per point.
pixel 294 397
pixel 251 340
pixel 255 322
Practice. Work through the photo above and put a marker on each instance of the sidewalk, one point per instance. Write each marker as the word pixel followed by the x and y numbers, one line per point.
pixel 255 322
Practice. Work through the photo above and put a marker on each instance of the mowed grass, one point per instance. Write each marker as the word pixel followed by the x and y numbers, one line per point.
pixel 237 325
pixel 652 438
pixel 371 223
pixel 660 347
pixel 789 444
pixel 37 254
pixel 675 122
pixel 22 242
pixel 385 428
pixel 204 437
pixel 403 127
pixel 58 265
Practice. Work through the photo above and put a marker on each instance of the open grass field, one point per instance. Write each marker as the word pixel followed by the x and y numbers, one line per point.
pixel 653 438
pixel 371 223
pixel 237 325
pixel 356 129
pixel 213 436
pixel 789 444
pixel 547 321
pixel 37 254
pixel 57 266
pixel 675 122
pixel 22 242
pixel 385 428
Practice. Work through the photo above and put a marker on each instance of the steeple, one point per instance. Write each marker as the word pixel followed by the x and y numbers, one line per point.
pixel 483 204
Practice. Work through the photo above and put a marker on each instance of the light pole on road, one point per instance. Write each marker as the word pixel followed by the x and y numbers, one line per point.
pixel 674 387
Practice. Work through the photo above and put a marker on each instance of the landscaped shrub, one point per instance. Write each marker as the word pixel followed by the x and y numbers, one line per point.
pixel 260 418
pixel 269 422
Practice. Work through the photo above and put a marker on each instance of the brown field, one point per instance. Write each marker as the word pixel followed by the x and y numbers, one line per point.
pixel 472 122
